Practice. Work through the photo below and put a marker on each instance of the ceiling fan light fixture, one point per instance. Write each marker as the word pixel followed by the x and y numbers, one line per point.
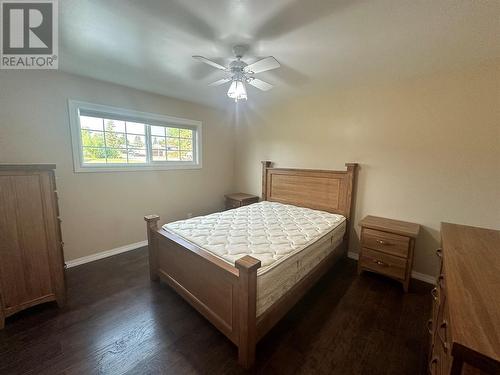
pixel 237 91
pixel 239 73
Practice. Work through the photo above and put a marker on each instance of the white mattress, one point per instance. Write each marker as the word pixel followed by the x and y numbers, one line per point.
pixel 288 240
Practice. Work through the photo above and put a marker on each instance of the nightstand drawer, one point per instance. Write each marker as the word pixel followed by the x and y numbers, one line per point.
pixel 232 204
pixel 236 200
pixel 389 243
pixel 383 263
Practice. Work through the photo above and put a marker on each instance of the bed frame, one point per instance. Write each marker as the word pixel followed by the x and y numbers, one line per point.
pixel 226 294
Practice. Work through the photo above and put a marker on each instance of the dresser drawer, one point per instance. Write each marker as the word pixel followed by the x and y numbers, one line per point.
pixel 433 321
pixel 389 243
pixel 445 341
pixel 383 263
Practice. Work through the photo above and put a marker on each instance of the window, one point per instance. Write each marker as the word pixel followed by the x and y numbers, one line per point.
pixel 114 139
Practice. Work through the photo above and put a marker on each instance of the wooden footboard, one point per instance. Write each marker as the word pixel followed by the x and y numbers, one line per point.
pixel 224 294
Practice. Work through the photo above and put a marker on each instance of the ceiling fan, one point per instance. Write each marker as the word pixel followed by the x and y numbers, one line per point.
pixel 238 73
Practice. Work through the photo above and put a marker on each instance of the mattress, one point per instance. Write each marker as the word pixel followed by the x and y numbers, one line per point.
pixel 288 240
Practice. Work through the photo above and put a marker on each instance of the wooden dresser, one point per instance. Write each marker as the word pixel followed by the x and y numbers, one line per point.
pixel 387 247
pixel 31 258
pixel 465 322
pixel 236 200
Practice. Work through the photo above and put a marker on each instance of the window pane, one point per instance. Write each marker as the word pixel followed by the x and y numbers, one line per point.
pixel 109 141
pixel 135 128
pixel 159 154
pixel 115 140
pixel 92 139
pixel 94 155
pixel 114 126
pixel 136 155
pixel 173 155
pixel 158 142
pixel 158 130
pixel 116 156
pixel 186 133
pixel 172 132
pixel 136 141
pixel 186 156
pixel 172 144
pixel 92 123
pixel 186 144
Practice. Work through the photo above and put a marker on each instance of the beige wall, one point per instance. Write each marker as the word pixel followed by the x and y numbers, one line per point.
pixel 429 151
pixel 101 211
pixel 429 148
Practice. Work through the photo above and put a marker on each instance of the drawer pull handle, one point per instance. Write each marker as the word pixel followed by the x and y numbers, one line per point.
pixel 433 361
pixel 382 242
pixel 440 281
pixel 380 263
pixel 443 341
pixel 429 326
pixel 439 252
pixel 434 294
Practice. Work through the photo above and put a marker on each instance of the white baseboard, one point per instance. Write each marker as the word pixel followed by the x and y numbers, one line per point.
pixel 105 254
pixel 423 277
pixel 122 249
pixel 414 275
pixel 352 255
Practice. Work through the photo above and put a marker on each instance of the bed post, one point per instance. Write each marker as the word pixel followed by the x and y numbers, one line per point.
pixel 2 317
pixel 351 178
pixel 351 172
pixel 151 226
pixel 247 267
pixel 265 164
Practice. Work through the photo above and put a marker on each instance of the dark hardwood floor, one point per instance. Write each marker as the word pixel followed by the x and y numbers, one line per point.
pixel 118 322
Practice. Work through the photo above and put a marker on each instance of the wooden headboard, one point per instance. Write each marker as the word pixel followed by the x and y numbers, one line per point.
pixel 325 190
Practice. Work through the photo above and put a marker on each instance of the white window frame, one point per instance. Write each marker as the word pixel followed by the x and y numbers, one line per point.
pixel 104 111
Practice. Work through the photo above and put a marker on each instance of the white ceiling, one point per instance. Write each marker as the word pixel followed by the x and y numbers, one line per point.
pixel 148 44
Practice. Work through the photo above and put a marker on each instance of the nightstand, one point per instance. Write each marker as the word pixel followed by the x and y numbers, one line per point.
pixel 387 247
pixel 239 199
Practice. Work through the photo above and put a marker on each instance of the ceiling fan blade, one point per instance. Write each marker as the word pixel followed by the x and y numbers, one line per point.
pixel 260 84
pixel 210 62
pixel 267 63
pixel 220 82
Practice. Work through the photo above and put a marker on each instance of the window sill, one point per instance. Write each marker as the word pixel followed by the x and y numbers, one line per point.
pixel 84 169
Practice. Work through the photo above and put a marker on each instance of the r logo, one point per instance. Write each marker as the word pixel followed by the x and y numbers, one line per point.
pixel 29 34
pixel 27 28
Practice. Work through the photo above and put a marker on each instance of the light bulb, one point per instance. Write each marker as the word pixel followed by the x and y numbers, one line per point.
pixel 237 91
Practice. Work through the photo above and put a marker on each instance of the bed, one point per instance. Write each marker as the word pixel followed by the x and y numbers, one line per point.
pixel 243 269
